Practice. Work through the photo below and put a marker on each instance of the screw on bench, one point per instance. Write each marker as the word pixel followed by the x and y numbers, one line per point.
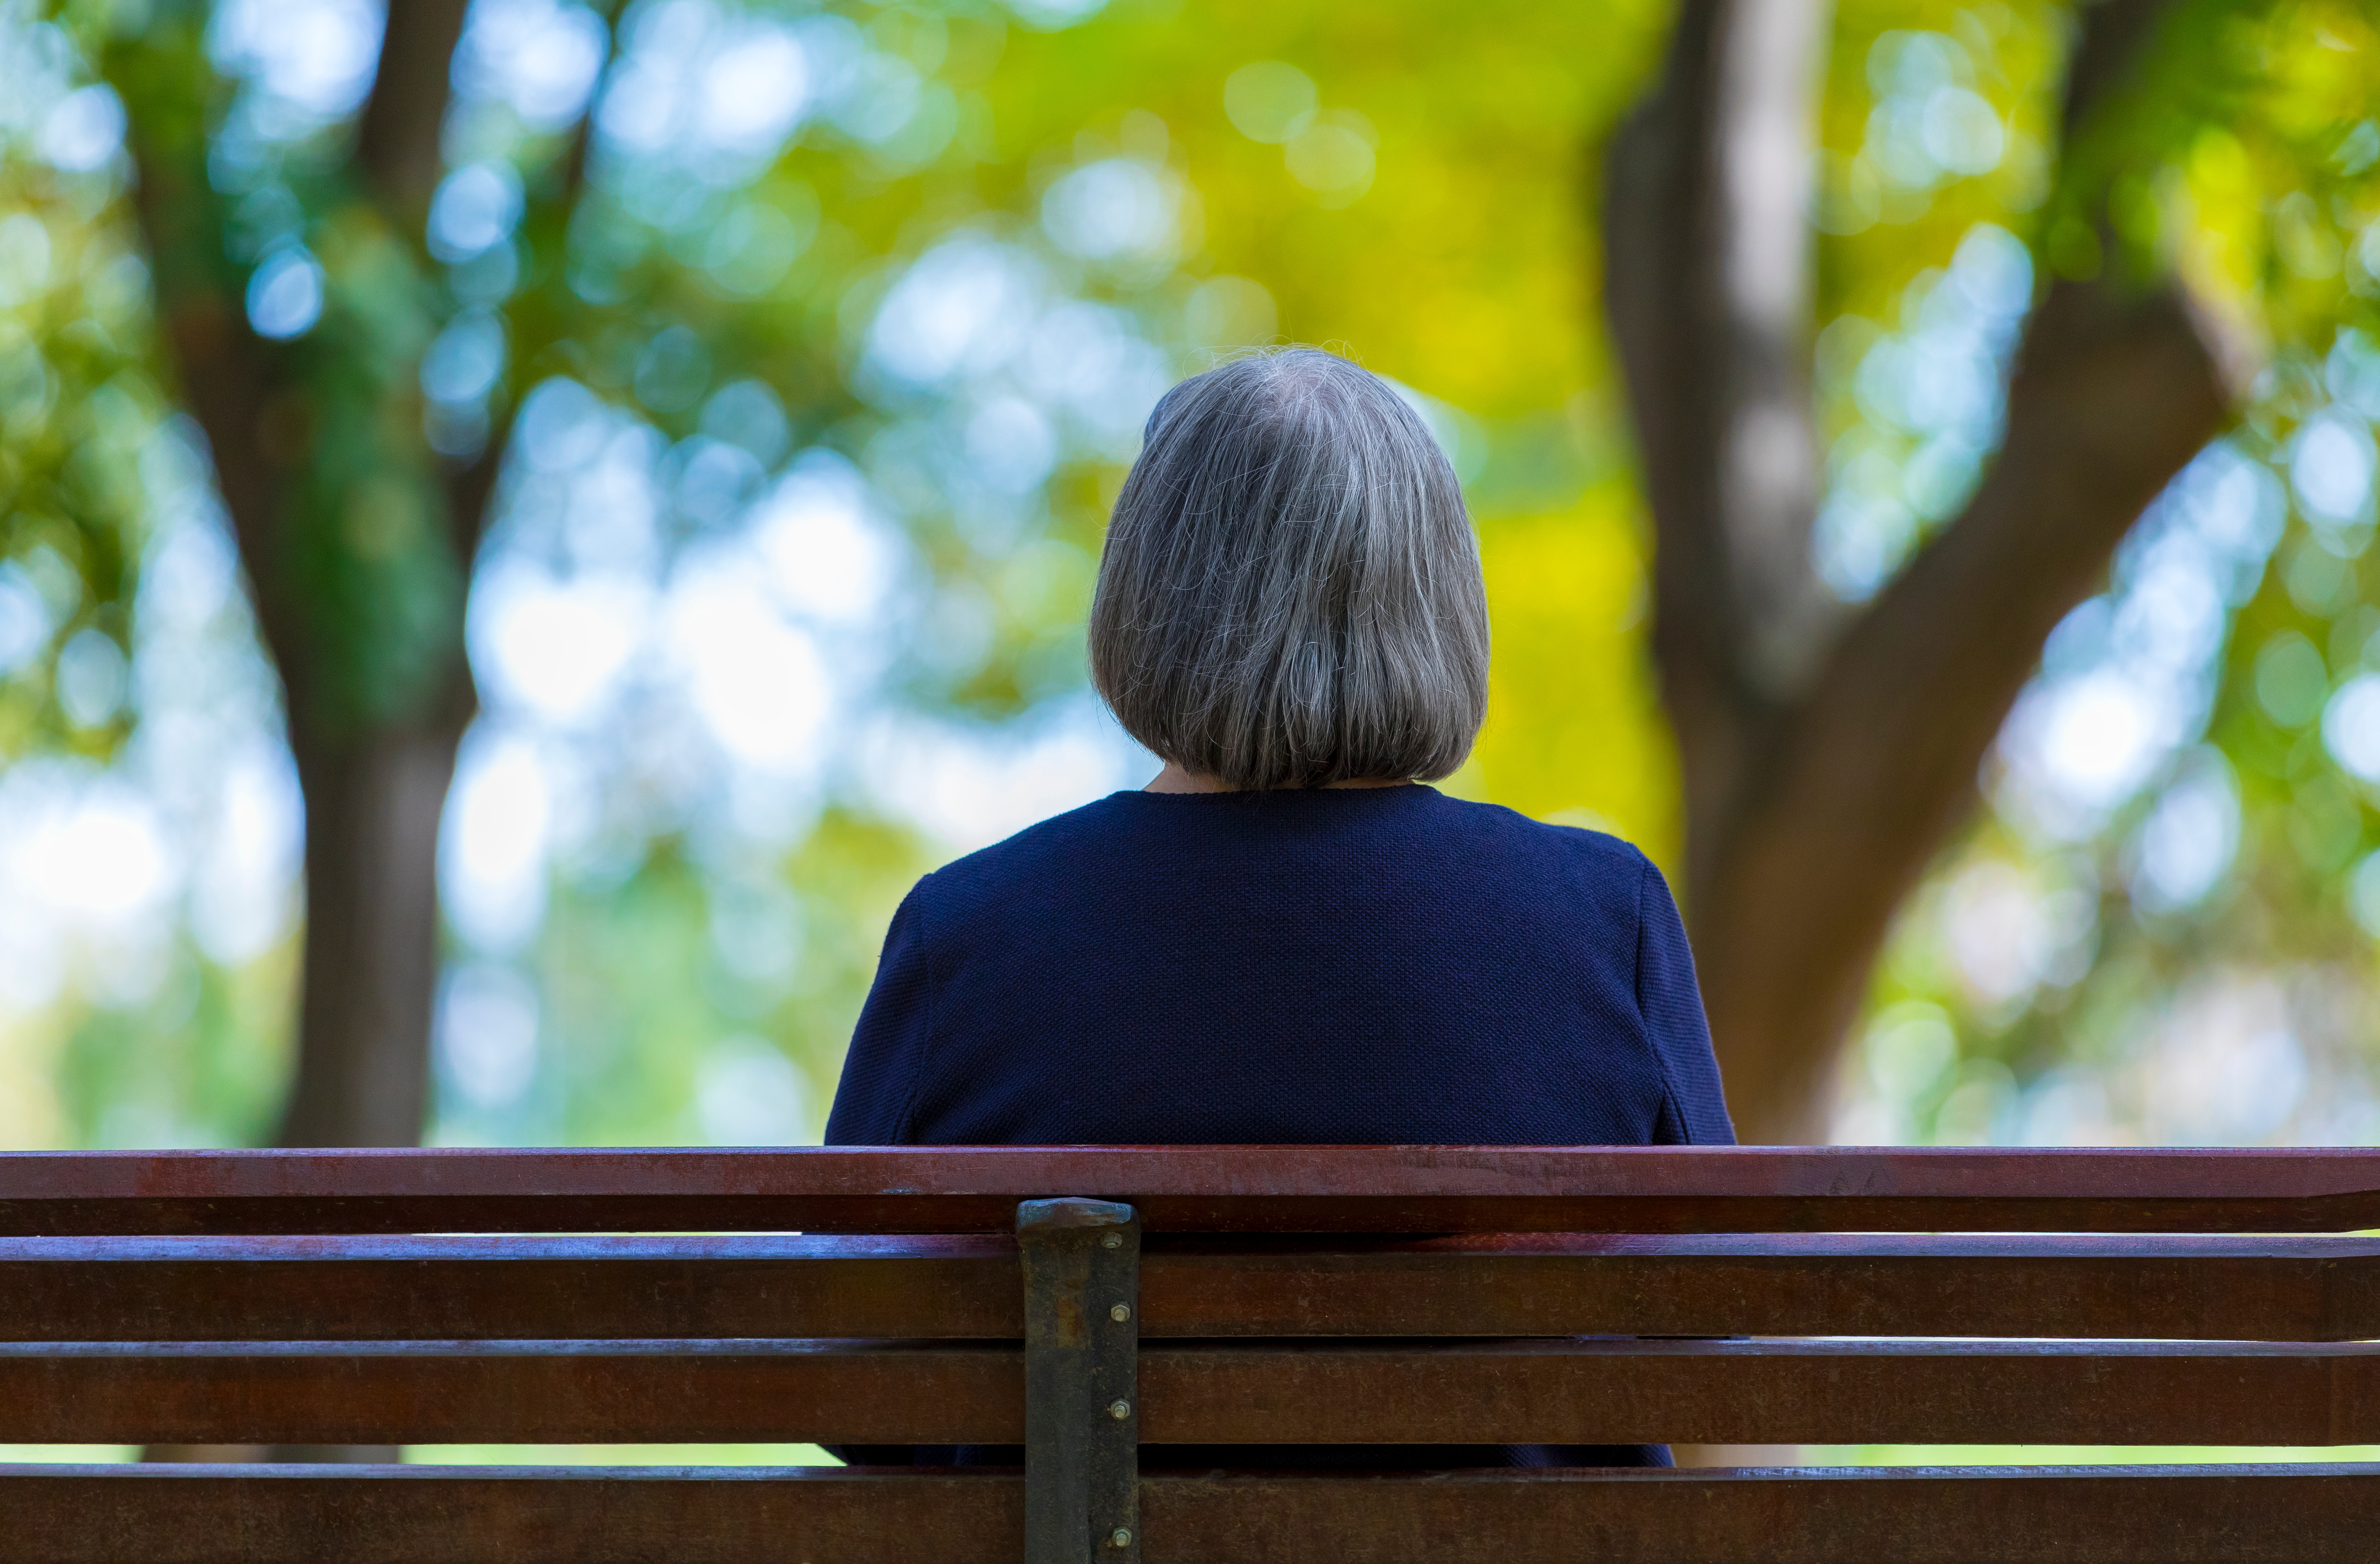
pixel 1082 1423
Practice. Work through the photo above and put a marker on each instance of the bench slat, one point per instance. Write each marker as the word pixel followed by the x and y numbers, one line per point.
pixel 397 1515
pixel 2174 1515
pixel 1785 1284
pixel 597 1287
pixel 1571 1391
pixel 1763 1392
pixel 967 1286
pixel 1303 1189
pixel 528 1392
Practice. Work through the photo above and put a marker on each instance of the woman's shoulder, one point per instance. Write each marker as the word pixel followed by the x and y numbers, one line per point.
pixel 1052 847
pixel 1419 830
pixel 1569 876
pixel 1576 844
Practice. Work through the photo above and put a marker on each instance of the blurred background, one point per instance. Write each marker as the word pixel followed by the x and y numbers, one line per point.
pixel 580 507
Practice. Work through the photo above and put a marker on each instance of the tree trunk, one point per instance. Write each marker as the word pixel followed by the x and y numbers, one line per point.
pixel 350 532
pixel 374 769
pixel 370 980
pixel 1828 757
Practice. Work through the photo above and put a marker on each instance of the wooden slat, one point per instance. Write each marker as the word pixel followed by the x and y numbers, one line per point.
pixel 966 1286
pixel 528 1392
pixel 399 1515
pixel 522 1515
pixel 1773 1284
pixel 1770 1392
pixel 1247 1189
pixel 367 1288
pixel 2174 1515
pixel 1571 1392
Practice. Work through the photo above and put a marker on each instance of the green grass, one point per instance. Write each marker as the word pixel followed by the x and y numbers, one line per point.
pixel 1783 1455
pixel 501 1455
pixel 2074 1455
pixel 617 1455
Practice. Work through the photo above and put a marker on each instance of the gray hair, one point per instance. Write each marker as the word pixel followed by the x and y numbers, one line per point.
pixel 1290 594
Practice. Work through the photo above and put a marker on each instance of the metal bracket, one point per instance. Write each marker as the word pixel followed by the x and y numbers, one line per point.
pixel 1082 1381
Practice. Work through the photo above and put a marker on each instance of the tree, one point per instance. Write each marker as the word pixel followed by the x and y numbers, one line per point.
pixel 1401 180
pixel 1827 758
pixel 357 539
pixel 360 505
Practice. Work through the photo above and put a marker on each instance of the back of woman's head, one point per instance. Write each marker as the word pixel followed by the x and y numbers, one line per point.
pixel 1290 594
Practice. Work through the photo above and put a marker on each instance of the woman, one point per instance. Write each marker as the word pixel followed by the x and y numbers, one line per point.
pixel 1287 937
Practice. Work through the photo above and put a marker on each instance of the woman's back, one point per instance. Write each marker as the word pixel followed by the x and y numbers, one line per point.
pixel 1289 940
pixel 1360 965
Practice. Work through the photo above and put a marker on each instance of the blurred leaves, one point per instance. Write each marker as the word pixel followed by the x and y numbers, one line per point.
pixel 2148 936
pixel 839 324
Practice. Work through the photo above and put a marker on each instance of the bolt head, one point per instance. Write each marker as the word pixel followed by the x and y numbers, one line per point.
pixel 1119 1409
pixel 1121 1312
pixel 1120 1537
pixel 1111 1241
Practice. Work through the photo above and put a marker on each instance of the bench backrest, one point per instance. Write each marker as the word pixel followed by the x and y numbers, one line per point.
pixel 1079 1301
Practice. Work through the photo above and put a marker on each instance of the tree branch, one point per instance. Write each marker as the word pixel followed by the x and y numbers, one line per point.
pixel 398 141
pixel 1708 290
pixel 2115 34
pixel 2112 396
pixel 1822 772
pixel 231 378
pixel 374 776
pixel 471 485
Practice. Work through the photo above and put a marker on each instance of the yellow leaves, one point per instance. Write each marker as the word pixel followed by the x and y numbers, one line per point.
pixel 1270 100
pixel 1228 312
pixel 1411 183
pixel 1046 580
pixel 2321 64
pixel 2306 242
pixel 1334 158
pixel 2277 192
pixel 1468 344
pixel 1574 730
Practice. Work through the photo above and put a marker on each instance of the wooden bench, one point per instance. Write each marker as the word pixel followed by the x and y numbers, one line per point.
pixel 1077 1300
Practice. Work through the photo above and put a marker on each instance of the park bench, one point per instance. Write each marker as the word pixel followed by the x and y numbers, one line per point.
pixel 1078 1300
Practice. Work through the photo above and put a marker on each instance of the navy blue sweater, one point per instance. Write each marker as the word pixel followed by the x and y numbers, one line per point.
pixel 1344 966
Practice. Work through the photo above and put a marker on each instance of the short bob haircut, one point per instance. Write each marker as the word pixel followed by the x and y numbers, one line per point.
pixel 1290 594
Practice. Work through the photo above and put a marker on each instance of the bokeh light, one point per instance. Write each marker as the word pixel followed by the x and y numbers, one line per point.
pixel 805 412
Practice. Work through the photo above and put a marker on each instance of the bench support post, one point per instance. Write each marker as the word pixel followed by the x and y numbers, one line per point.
pixel 1082 1392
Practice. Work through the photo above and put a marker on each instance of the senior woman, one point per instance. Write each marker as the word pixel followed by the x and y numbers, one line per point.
pixel 1287 938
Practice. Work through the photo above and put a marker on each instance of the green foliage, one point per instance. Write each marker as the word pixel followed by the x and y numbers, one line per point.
pixel 195 1063
pixel 370 553
pixel 1414 183
pixel 363 552
pixel 76 403
pixel 2241 1009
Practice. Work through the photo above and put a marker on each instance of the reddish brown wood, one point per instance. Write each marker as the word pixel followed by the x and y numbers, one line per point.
pixel 966 1286
pixel 477 1387
pixel 1248 1189
pixel 371 1288
pixel 463 1515
pixel 2171 1515
pixel 2274 1288
pixel 1629 1391
pixel 1593 1391
pixel 290 1515
pixel 638 1392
